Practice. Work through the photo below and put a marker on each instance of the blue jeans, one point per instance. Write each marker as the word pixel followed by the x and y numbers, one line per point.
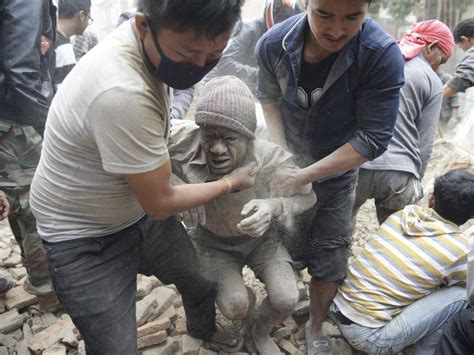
pixel 420 323
pixel 95 281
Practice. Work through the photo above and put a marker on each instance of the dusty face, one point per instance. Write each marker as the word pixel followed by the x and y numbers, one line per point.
pixel 333 23
pixel 224 149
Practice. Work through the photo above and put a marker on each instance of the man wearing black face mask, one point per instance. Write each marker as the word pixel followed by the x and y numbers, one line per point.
pixel 104 176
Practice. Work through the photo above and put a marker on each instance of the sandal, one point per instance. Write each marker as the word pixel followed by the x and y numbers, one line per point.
pixel 221 343
pixel 319 344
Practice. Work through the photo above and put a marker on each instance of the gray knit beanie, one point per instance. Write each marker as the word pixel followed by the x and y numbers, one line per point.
pixel 228 103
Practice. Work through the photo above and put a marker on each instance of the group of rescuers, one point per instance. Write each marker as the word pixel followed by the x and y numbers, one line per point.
pixel 343 102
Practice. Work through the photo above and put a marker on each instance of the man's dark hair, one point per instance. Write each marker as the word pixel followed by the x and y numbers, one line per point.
pixel 68 8
pixel 464 28
pixel 205 17
pixel 454 196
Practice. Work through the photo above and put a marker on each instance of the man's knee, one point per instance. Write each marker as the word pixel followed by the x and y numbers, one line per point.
pixel 329 264
pixel 234 306
pixel 284 300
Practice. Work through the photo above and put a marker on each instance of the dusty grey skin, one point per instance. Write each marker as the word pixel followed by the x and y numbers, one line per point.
pixel 226 150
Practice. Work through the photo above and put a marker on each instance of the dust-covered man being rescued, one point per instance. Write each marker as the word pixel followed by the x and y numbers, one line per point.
pixel 240 228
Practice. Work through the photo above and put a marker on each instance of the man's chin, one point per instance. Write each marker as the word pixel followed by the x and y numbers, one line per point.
pixel 220 171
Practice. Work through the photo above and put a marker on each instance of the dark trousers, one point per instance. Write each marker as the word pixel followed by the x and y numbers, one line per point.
pixel 95 280
pixel 458 335
pixel 320 237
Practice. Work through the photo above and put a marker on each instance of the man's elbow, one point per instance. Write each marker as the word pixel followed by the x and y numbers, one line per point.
pixel 159 215
pixel 161 210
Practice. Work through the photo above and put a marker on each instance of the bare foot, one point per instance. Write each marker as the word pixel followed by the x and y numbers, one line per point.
pixel 264 343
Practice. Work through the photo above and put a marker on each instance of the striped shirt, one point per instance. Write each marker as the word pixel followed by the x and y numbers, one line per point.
pixel 414 252
pixel 65 59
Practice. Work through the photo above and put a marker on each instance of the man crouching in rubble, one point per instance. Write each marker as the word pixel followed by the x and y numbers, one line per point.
pixel 240 228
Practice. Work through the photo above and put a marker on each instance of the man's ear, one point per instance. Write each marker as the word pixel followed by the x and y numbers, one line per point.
pixel 141 24
pixel 82 15
pixel 431 201
pixel 433 45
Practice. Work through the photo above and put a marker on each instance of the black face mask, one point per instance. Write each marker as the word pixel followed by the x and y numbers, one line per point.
pixel 178 75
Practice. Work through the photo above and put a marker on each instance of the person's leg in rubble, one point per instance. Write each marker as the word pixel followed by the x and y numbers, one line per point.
pixel 20 149
pixel 23 225
pixel 173 259
pixel 329 244
pixel 95 280
pixel 362 194
pixel 282 297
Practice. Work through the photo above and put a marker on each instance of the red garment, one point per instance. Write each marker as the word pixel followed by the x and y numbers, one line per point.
pixel 422 34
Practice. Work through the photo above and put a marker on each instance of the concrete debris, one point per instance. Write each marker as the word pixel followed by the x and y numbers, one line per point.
pixel 81 348
pixel 11 321
pixel 331 330
pixel 169 347
pixel 281 334
pixel 9 340
pixel 289 348
pixel 4 350
pixel 18 298
pixel 302 307
pixel 5 252
pixel 17 273
pixel 190 345
pixel 152 339
pixel 164 297
pixel 12 261
pixel 62 331
pixel 21 348
pixel 204 351
pixel 55 350
pixel 153 327
pixel 170 314
pixel 145 309
pixel 156 304
pixel 42 321
pixel 145 285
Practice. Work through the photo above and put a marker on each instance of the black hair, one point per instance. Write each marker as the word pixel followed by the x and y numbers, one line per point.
pixel 454 196
pixel 464 28
pixel 205 17
pixel 68 8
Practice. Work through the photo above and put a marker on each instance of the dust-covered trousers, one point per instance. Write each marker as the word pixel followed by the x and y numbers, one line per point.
pixel 20 149
pixel 392 190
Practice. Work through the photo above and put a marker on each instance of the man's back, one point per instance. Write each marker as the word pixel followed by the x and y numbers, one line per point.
pixel 413 253
pixel 420 105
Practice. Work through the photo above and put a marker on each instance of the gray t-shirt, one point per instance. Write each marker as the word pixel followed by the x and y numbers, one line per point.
pixel 418 116
pixel 109 118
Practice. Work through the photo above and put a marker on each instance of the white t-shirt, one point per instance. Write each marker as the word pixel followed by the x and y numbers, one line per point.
pixel 109 118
